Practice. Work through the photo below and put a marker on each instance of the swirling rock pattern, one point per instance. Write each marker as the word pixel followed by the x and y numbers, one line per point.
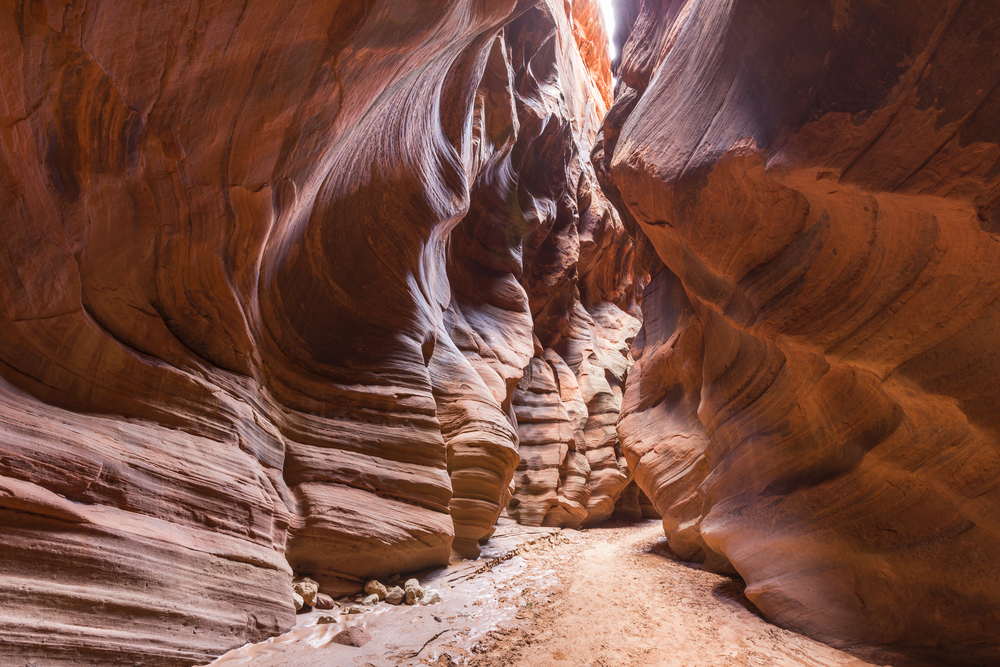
pixel 262 302
pixel 815 390
pixel 582 275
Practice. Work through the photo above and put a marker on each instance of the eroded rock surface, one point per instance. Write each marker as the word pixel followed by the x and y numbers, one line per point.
pixel 814 397
pixel 321 287
pixel 262 291
pixel 633 504
pixel 582 275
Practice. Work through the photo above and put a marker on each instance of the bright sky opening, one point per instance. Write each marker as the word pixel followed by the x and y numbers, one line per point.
pixel 609 23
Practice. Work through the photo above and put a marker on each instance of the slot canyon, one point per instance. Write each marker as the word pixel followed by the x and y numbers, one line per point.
pixel 660 330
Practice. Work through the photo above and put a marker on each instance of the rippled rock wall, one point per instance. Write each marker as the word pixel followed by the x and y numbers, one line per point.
pixel 584 278
pixel 814 398
pixel 270 275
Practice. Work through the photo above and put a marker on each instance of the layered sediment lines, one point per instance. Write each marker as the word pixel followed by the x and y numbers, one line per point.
pixel 263 305
pixel 814 397
pixel 583 277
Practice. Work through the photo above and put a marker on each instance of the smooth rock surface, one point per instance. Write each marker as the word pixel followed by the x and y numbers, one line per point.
pixel 814 397
pixel 262 303
pixel 633 504
pixel 582 278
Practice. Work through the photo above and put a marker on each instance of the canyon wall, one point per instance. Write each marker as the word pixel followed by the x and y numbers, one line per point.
pixel 814 400
pixel 270 276
pixel 322 287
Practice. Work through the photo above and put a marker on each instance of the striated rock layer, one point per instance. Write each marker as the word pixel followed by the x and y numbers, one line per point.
pixel 263 300
pixel 582 275
pixel 814 397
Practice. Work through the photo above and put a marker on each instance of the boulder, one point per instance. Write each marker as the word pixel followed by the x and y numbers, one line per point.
pixel 307 589
pixel 413 591
pixel 396 595
pixel 352 636
pixel 373 587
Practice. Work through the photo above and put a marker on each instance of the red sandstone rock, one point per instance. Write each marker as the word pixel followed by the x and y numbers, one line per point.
pixel 354 636
pixel 646 507
pixel 627 505
pixel 581 278
pixel 633 504
pixel 815 390
pixel 261 300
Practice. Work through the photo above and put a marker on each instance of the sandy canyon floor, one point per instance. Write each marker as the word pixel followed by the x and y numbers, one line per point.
pixel 610 596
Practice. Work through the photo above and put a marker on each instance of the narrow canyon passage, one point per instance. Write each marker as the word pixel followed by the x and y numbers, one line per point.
pixel 324 309
pixel 613 596
pixel 624 599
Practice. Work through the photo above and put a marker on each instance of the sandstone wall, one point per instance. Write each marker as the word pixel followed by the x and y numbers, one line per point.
pixel 814 397
pixel 262 301
pixel 583 279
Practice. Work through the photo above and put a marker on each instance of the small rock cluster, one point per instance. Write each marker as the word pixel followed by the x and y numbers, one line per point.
pixel 411 593
pixel 305 593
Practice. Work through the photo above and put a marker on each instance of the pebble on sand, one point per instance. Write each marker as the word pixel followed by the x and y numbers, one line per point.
pixel 353 636
pixel 413 591
pixel 373 587
pixel 308 589
pixel 430 596
pixel 395 596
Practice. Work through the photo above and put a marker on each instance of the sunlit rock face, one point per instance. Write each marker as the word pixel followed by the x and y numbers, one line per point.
pixel 814 401
pixel 581 275
pixel 268 281
pixel 540 240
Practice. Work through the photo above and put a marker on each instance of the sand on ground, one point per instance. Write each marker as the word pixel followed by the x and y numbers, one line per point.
pixel 624 599
pixel 614 596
